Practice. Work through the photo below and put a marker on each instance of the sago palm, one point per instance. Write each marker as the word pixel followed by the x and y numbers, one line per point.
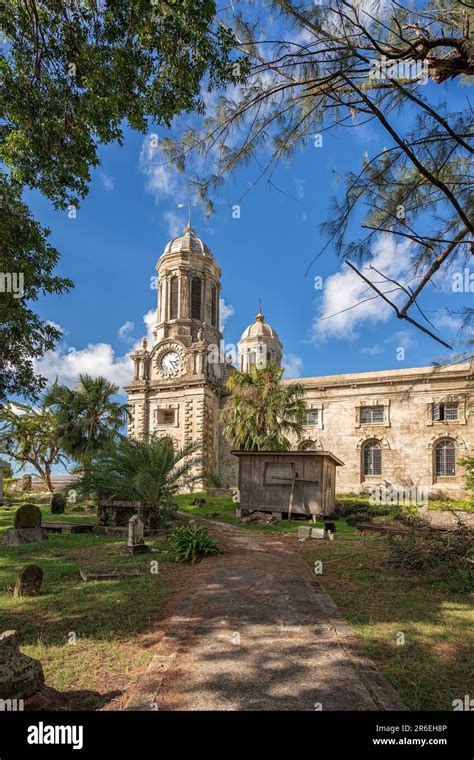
pixel 261 412
pixel 151 472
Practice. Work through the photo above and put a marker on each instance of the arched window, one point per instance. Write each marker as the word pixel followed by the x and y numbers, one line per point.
pixel 196 298
pixel 214 307
pixel 174 298
pixel 372 458
pixel 445 458
pixel 307 446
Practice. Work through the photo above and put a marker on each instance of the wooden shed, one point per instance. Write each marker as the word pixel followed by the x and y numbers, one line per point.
pixel 287 482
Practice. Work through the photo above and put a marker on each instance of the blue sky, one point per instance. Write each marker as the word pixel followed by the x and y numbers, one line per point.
pixel 110 250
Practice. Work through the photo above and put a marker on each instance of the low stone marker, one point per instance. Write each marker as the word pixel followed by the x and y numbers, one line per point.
pixel 112 575
pixel 318 532
pixel 27 516
pixel 27 527
pixel 136 537
pixel 304 531
pixel 20 676
pixel 29 581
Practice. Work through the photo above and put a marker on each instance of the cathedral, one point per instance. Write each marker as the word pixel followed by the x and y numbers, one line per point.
pixel 404 427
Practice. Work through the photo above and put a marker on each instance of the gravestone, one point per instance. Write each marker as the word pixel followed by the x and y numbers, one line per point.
pixel 27 527
pixel 136 532
pixel 29 581
pixel 20 676
pixel 27 516
pixel 26 482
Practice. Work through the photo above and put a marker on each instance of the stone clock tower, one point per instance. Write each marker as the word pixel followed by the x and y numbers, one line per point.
pixel 176 388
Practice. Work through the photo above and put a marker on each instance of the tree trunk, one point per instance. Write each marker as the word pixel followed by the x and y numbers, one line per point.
pixel 47 480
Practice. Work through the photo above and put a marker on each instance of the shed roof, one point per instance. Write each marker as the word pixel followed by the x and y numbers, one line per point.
pixel 308 452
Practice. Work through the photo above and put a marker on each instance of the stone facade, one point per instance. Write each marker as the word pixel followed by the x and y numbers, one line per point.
pixel 406 427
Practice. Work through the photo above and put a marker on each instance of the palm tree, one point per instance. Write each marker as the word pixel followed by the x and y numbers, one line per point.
pixel 261 412
pixel 89 419
pixel 151 472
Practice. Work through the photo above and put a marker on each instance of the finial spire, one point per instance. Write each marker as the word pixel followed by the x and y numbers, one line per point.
pixel 188 227
pixel 259 317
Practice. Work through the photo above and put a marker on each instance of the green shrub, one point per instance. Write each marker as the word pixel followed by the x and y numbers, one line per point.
pixel 356 506
pixel 356 518
pixel 58 503
pixel 191 541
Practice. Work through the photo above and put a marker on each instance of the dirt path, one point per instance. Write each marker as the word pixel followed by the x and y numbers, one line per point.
pixel 255 631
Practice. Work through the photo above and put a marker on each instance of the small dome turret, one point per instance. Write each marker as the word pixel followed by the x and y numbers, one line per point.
pixel 258 345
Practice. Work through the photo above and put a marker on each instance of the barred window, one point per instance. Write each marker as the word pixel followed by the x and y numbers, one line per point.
pixel 451 412
pixel 196 298
pixel 165 416
pixel 445 411
pixel 372 455
pixel 174 298
pixel 312 417
pixel 445 455
pixel 371 414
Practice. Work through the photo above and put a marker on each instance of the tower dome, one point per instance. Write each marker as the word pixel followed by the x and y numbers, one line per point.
pixel 188 242
pixel 188 285
pixel 258 345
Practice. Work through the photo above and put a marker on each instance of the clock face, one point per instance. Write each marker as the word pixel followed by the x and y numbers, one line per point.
pixel 170 362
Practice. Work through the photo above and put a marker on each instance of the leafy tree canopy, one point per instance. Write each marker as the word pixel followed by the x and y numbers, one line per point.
pixel 73 75
pixel 29 435
pixel 27 262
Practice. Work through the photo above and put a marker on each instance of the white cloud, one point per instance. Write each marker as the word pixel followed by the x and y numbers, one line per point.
pixel 402 339
pixel 373 350
pixel 124 331
pixel 175 223
pixel 292 365
pixel 149 320
pixel 448 321
pixel 226 311
pixel 58 327
pixel 97 359
pixel 162 177
pixel 107 181
pixel 344 289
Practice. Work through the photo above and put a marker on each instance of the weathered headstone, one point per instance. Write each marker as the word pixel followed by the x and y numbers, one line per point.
pixel 136 536
pixel 26 483
pixel 20 676
pixel 27 527
pixel 29 581
pixel 27 516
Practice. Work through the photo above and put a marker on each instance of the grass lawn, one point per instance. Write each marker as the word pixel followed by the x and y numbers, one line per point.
pixel 226 509
pixel 435 665
pixel 112 620
pixel 115 621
